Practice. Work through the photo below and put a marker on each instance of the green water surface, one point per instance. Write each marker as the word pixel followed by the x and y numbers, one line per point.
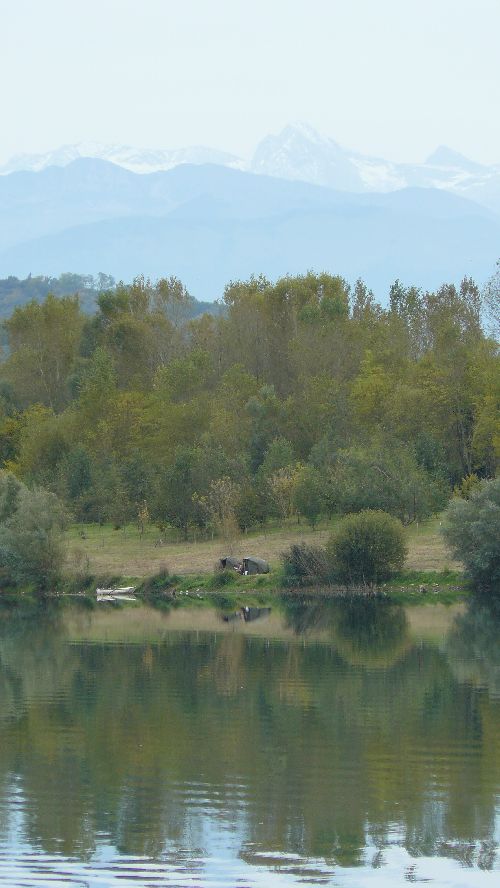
pixel 350 744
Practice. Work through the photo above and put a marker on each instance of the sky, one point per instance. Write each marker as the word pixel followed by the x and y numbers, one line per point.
pixel 393 78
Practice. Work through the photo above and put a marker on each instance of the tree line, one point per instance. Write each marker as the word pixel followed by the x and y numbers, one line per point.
pixel 303 397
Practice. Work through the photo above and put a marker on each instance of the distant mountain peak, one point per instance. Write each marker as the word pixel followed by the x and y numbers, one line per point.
pixel 447 157
pixel 302 130
pixel 300 152
pixel 137 160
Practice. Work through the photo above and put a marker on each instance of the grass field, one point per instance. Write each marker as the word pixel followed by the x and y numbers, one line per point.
pixel 103 550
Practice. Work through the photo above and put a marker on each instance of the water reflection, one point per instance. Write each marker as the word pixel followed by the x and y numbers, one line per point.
pixel 365 632
pixel 473 646
pixel 307 753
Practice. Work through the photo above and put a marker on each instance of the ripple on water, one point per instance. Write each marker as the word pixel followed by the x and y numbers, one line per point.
pixel 223 762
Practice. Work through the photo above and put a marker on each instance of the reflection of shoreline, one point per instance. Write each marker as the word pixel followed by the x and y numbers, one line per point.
pixel 144 624
pixel 473 646
pixel 311 750
pixel 431 623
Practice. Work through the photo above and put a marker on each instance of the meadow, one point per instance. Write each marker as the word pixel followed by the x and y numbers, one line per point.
pixel 128 553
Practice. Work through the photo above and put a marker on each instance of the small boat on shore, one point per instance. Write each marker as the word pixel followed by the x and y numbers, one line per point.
pixel 121 593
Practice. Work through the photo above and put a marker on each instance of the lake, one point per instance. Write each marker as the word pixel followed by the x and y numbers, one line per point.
pixel 344 744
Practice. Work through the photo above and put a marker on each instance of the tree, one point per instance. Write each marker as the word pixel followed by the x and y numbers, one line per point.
pixel 282 486
pixel 9 495
pixel 220 505
pixel 383 476
pixel 366 548
pixel 309 494
pixel 43 342
pixel 491 297
pixel 304 564
pixel 31 536
pixel 175 501
pixel 388 408
pixel 472 532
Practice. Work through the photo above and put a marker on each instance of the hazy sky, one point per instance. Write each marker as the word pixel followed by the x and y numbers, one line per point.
pixel 389 77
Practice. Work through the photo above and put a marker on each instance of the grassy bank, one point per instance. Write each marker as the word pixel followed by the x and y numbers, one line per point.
pixel 127 553
pixel 147 561
pixel 182 572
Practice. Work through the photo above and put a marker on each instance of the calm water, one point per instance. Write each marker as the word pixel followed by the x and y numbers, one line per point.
pixel 341 745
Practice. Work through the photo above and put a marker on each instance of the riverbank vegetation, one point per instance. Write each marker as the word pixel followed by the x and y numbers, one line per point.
pixel 472 529
pixel 302 400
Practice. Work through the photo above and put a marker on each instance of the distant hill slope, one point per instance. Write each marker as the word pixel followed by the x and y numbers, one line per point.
pixel 16 292
pixel 208 224
pixel 35 204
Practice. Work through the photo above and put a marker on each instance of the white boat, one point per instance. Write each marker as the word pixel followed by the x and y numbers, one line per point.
pixel 120 593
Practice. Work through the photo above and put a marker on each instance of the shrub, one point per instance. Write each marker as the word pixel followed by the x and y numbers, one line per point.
pixel 304 564
pixel 472 532
pixel 158 582
pixel 31 539
pixel 366 548
pixel 219 579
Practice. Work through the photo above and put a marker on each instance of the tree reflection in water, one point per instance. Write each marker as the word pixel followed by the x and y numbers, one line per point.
pixel 313 748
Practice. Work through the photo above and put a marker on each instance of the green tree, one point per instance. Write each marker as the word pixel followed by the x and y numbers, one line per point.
pixel 366 548
pixel 179 487
pixel 43 345
pixel 308 496
pixel 282 485
pixel 491 298
pixel 472 532
pixel 220 505
pixel 31 538
pixel 383 476
pixel 10 488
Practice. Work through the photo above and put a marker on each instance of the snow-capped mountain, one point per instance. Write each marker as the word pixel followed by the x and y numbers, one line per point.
pixel 137 160
pixel 297 153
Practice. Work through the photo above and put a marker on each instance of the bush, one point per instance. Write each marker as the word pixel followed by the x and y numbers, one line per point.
pixel 304 564
pixel 472 532
pixel 31 538
pixel 366 548
pixel 158 582
pixel 219 579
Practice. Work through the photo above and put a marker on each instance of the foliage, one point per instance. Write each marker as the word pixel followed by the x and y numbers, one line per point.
pixel 31 539
pixel 10 488
pixel 309 494
pixel 383 476
pixel 14 291
pixel 220 506
pixel 492 301
pixel 307 397
pixel 366 548
pixel 472 532
pixel 304 564
pixel 157 583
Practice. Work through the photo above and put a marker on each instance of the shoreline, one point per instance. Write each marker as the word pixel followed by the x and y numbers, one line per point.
pixel 225 589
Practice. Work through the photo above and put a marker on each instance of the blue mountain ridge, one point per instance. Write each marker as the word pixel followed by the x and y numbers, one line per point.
pixel 209 224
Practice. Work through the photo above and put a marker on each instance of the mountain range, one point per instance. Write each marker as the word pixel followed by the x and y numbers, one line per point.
pixel 300 153
pixel 301 203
